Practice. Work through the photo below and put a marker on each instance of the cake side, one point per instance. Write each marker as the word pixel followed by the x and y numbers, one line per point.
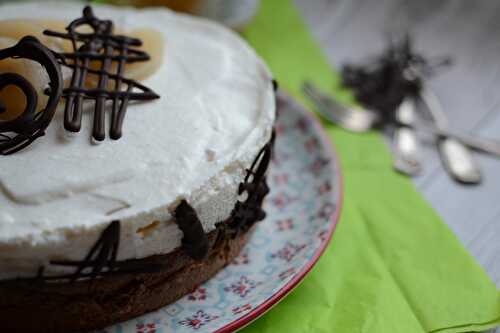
pixel 103 292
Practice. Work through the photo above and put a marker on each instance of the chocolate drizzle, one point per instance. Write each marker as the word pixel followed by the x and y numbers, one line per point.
pixel 194 241
pixel 243 216
pixel 20 132
pixel 102 260
pixel 249 211
pixel 102 46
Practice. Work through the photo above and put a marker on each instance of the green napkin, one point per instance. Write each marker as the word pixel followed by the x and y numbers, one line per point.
pixel 393 265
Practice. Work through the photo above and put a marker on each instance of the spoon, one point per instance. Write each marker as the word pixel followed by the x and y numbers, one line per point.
pixel 456 157
pixel 488 146
pixel 405 144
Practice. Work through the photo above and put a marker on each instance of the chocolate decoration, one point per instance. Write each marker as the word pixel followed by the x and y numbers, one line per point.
pixel 275 85
pixel 102 255
pixel 248 212
pixel 194 241
pixel 101 260
pixel 18 133
pixel 100 45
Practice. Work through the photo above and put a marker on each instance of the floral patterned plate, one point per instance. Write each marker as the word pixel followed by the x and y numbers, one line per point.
pixel 302 212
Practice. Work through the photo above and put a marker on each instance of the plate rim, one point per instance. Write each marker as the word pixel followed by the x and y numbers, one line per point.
pixel 338 178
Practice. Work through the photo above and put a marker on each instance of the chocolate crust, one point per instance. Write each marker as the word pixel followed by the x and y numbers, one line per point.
pixel 30 307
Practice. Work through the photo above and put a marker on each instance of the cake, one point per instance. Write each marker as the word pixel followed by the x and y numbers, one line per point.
pixel 99 224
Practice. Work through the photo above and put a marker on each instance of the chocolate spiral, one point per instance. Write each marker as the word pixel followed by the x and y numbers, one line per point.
pixel 18 133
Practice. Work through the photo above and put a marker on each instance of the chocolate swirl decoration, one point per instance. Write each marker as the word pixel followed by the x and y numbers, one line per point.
pixel 20 132
pixel 102 46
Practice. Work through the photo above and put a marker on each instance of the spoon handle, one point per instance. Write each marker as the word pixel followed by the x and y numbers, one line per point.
pixel 488 146
pixel 456 157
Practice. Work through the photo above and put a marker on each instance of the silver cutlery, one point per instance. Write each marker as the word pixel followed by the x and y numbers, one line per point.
pixel 456 157
pixel 349 118
pixel 453 146
pixel 491 147
pixel 360 120
pixel 405 144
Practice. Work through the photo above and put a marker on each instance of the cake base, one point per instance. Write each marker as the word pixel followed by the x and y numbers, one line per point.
pixel 41 307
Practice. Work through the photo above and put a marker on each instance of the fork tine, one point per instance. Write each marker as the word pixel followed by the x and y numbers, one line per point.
pixel 338 113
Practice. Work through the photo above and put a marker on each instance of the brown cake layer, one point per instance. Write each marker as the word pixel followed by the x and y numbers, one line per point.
pixel 30 306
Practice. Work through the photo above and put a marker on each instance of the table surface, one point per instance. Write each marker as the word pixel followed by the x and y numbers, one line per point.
pixel 352 30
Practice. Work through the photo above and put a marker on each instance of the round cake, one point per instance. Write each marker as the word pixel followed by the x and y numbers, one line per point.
pixel 99 226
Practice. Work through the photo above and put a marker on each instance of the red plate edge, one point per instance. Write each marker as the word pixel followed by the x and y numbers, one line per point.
pixel 280 294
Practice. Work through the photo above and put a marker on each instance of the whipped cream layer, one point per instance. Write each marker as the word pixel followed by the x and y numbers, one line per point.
pixel 215 113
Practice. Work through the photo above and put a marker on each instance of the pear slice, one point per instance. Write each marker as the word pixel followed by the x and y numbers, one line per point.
pixel 17 29
pixel 151 39
pixel 11 31
pixel 11 96
pixel 56 44
pixel 152 44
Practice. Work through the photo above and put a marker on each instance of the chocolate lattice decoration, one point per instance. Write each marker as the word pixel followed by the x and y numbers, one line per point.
pixel 107 49
pixel 20 132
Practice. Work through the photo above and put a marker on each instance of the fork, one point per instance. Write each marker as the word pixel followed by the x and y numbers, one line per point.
pixel 352 119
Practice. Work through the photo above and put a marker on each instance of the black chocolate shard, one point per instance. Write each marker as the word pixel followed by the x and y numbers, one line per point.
pixel 18 133
pixel 275 85
pixel 103 46
pixel 194 241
